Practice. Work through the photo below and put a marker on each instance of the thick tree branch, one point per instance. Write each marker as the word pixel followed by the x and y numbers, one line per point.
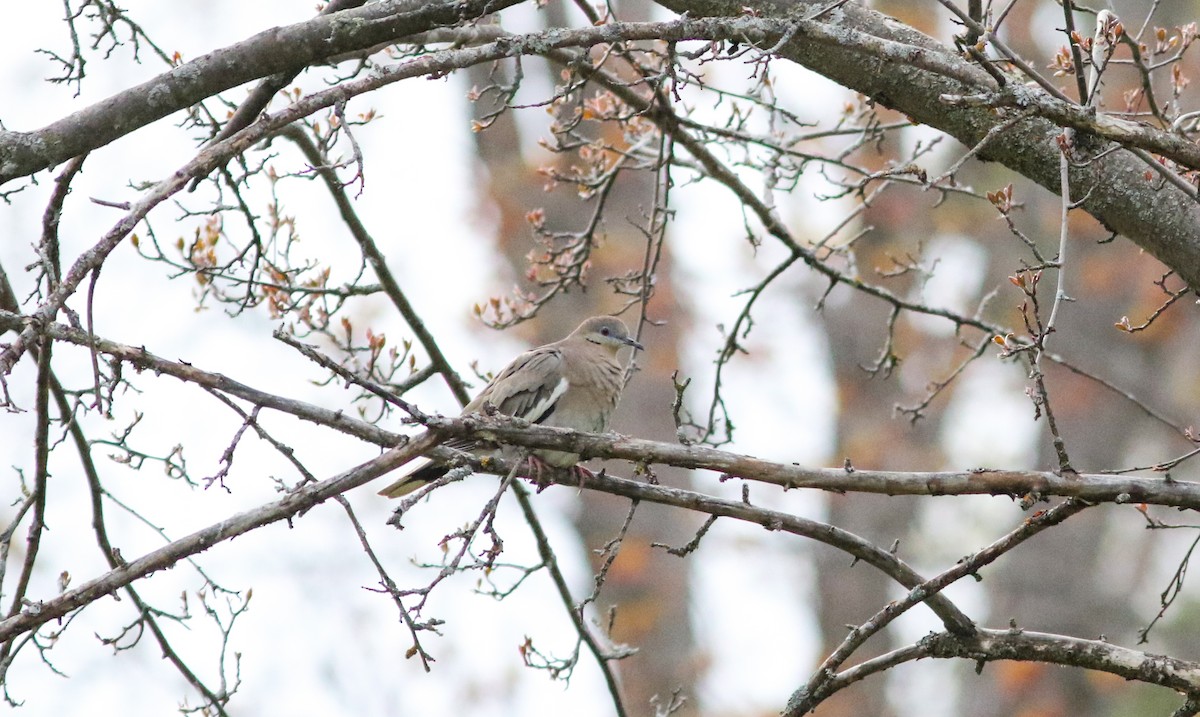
pixel 307 496
pixel 981 481
pixel 988 645
pixel 1173 244
pixel 262 94
pixel 1164 220
pixel 1086 119
pixel 278 50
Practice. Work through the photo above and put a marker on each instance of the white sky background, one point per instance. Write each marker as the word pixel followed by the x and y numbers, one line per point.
pixel 314 641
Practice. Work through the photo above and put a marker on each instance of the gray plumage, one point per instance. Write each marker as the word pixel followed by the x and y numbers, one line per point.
pixel 573 383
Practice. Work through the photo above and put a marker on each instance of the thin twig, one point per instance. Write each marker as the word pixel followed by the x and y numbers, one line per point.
pixel 603 655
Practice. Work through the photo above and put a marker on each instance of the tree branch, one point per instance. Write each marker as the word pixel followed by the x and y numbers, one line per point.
pixel 982 481
pixel 274 51
pixel 305 497
pixel 1164 221
pixel 141 360
pixel 988 645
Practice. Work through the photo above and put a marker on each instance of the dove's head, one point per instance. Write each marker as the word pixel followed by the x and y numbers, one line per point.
pixel 606 331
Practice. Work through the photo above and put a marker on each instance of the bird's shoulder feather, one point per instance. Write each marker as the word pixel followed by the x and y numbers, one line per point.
pixel 528 387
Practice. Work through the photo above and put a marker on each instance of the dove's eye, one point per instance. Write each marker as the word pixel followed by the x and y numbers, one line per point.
pixel 604 331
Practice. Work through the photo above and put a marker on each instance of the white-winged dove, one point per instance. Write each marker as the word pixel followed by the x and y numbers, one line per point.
pixel 573 383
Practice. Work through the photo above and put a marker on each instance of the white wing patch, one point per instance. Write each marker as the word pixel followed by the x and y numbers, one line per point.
pixel 541 409
pixel 404 482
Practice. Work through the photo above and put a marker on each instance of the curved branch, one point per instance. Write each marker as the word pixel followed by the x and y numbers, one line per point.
pixel 818 688
pixel 895 568
pixel 141 360
pixel 988 645
pixel 303 498
pixel 274 51
pixel 1164 220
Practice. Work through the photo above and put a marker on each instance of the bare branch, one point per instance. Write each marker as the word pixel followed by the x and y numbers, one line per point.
pixel 981 481
pixel 40 612
pixel 278 50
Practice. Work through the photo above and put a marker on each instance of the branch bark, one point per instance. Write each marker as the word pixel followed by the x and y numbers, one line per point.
pixel 278 50
pixel 36 613
pixel 1164 220
pixel 1092 487
pixel 988 645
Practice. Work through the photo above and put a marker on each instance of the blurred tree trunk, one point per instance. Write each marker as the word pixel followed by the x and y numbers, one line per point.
pixel 648 586
pixel 870 435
